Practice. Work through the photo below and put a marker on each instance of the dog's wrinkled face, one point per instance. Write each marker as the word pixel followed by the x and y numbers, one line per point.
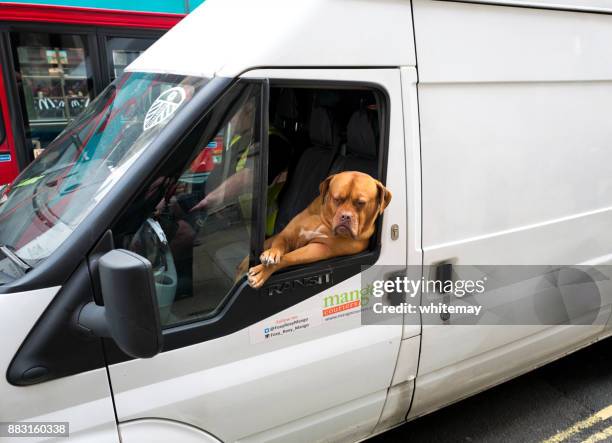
pixel 351 202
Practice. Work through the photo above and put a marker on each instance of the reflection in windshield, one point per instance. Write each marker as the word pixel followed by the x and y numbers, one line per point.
pixel 56 192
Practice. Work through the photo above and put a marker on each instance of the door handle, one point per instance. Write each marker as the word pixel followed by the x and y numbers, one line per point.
pixel 395 298
pixel 444 273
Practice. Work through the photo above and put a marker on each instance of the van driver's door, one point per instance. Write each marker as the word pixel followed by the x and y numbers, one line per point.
pixel 290 361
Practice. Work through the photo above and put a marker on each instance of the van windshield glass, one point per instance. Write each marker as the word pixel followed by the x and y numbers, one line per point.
pixel 60 188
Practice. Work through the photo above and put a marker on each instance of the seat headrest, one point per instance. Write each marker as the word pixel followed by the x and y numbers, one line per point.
pixel 323 132
pixel 360 139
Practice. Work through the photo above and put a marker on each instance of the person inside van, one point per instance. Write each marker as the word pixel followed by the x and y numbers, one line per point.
pixel 241 151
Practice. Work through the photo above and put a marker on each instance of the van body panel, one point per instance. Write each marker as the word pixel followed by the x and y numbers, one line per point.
pixel 515 168
pixel 399 397
pixel 328 425
pixel 572 5
pixel 229 37
pixel 410 109
pixel 268 384
pixel 162 431
pixel 474 43
pixel 83 400
pixel 397 405
pixel 407 365
pixel 532 147
pixel 438 385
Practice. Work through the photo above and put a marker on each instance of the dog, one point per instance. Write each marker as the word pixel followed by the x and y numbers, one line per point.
pixel 340 221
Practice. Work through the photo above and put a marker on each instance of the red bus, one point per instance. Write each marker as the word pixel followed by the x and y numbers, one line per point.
pixel 55 58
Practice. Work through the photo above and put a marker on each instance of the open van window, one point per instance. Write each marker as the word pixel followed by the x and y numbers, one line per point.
pixel 200 221
pixel 328 131
pixel 59 189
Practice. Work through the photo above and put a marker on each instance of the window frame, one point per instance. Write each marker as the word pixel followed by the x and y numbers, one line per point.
pixel 244 306
pixel 383 99
pixel 102 37
pixel 259 182
pixel 261 173
pixel 88 34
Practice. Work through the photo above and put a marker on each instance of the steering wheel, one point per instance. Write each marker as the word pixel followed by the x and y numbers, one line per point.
pixel 157 250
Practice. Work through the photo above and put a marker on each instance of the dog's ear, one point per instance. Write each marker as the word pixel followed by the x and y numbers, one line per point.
pixel 384 197
pixel 324 186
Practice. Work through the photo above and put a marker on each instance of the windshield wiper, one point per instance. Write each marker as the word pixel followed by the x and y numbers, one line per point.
pixel 15 259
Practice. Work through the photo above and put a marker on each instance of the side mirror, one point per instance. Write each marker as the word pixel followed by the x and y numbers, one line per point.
pixel 130 315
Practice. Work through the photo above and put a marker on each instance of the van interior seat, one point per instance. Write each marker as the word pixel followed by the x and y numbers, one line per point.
pixel 311 169
pixel 360 153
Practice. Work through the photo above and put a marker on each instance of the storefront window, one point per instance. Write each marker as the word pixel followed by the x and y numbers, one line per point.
pixel 55 82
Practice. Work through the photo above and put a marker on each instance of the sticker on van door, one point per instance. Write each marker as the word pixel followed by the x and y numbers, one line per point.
pixel 283 325
pixel 163 107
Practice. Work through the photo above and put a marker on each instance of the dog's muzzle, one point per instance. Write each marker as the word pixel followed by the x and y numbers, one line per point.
pixel 344 226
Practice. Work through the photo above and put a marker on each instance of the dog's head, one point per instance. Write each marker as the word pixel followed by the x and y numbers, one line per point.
pixel 351 202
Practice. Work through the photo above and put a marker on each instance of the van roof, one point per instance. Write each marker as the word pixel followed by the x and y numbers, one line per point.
pixel 228 37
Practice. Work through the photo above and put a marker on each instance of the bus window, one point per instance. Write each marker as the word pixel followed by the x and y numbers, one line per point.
pixel 121 51
pixel 54 80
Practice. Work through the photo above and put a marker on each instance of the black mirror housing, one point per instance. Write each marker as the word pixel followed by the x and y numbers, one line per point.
pixel 130 315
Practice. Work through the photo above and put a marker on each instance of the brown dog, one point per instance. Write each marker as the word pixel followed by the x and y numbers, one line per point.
pixel 340 221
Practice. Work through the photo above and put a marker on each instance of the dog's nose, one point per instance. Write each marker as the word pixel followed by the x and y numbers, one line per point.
pixel 345 217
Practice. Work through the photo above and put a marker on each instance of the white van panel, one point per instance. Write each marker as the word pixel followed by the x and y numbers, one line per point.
pixel 515 148
pixel 324 426
pixel 228 37
pixel 83 400
pixel 463 42
pixel 501 131
pixel 439 385
pixel 214 376
pixel 412 145
pixel 526 153
pixel 577 5
pixel 162 431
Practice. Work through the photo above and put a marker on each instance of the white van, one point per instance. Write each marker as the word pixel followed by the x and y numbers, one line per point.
pixel 123 312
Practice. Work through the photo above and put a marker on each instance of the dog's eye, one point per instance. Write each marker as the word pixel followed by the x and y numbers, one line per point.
pixel 360 204
pixel 337 200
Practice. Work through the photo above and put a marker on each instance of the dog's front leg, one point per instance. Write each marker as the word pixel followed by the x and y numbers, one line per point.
pixel 274 250
pixel 309 253
pixel 243 267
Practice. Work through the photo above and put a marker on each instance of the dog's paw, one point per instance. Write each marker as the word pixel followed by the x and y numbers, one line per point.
pixel 257 276
pixel 270 256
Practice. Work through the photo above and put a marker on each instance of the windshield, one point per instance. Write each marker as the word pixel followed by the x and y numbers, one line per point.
pixel 60 188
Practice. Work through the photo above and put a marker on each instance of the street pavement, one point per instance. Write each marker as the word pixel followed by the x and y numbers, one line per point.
pixel 569 400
